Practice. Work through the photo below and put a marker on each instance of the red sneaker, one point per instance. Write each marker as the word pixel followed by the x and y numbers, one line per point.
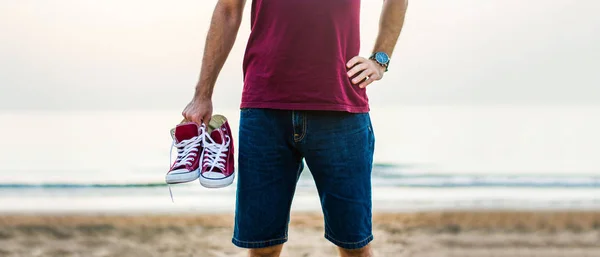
pixel 217 161
pixel 187 138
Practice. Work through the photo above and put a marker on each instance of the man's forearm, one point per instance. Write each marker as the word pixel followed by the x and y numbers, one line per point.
pixel 390 25
pixel 221 37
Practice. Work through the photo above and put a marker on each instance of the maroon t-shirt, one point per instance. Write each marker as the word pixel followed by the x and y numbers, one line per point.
pixel 297 53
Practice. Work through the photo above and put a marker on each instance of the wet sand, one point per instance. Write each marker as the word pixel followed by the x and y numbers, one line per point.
pixel 432 234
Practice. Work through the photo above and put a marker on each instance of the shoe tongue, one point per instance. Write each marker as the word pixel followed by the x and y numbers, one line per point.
pixel 217 135
pixel 185 131
pixel 216 127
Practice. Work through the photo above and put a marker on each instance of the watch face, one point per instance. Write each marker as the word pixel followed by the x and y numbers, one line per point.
pixel 382 57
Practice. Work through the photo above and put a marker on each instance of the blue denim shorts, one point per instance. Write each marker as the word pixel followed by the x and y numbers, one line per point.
pixel 338 149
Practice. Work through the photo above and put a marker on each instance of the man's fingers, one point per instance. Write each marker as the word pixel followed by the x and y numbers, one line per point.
pixel 358 68
pixel 194 118
pixel 354 61
pixel 186 116
pixel 206 119
pixel 366 83
pixel 362 76
pixel 190 117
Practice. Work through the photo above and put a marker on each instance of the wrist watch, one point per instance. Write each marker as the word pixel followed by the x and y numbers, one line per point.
pixel 381 58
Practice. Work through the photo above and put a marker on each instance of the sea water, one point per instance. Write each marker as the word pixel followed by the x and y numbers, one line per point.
pixel 426 158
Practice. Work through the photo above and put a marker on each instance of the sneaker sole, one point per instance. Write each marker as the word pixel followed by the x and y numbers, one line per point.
pixel 182 177
pixel 216 183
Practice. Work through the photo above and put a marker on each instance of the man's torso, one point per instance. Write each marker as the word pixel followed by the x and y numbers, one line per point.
pixel 296 56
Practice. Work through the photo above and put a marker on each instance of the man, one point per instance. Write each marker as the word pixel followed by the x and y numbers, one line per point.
pixel 304 98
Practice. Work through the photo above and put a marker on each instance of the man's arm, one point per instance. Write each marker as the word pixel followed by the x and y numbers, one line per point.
pixel 390 26
pixel 222 33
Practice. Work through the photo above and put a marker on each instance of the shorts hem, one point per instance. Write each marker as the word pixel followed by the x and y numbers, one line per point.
pixel 258 244
pixel 350 245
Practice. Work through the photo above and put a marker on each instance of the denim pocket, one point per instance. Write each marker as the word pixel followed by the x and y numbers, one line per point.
pixel 372 133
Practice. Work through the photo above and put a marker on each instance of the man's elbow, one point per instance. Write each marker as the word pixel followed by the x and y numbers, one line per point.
pixel 231 10
pixel 403 3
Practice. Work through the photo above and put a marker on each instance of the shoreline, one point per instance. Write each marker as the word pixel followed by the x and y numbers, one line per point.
pixel 470 219
pixel 194 199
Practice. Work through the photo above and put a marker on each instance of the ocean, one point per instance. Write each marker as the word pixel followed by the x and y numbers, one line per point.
pixel 426 158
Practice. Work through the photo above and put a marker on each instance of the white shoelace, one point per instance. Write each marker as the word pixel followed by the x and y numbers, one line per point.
pixel 215 153
pixel 185 153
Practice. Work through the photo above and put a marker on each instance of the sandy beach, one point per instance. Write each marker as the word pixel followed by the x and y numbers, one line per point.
pixel 396 234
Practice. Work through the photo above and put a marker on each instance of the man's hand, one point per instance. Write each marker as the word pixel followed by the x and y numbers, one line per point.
pixel 364 71
pixel 198 111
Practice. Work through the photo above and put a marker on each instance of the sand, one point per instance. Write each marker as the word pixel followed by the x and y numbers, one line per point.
pixel 396 234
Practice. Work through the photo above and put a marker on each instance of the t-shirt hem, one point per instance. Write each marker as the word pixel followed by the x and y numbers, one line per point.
pixel 306 107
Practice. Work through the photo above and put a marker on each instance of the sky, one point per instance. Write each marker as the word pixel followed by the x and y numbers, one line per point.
pixel 146 54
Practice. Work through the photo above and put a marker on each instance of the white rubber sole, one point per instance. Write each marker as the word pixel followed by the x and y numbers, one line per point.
pixel 216 183
pixel 177 178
